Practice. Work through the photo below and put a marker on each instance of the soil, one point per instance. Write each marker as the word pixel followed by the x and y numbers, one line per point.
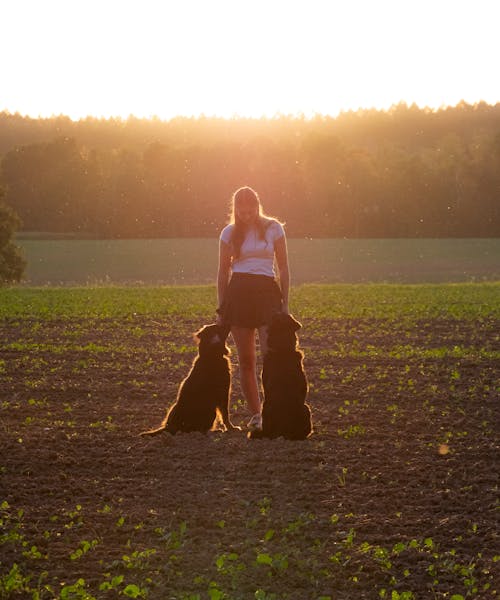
pixel 396 491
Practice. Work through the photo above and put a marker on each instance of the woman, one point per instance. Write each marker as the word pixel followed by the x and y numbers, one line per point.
pixel 248 292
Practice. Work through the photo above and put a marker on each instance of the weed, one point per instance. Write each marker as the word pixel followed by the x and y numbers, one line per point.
pixel 351 431
pixel 342 477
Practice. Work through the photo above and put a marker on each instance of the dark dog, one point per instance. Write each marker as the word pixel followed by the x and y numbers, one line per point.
pixel 204 393
pixel 284 412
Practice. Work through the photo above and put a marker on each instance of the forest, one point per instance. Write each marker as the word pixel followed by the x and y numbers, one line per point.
pixel 404 172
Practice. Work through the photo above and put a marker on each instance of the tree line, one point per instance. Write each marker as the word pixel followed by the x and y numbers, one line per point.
pixel 12 263
pixel 405 172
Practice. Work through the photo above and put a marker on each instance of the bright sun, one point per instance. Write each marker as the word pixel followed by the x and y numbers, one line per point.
pixel 229 57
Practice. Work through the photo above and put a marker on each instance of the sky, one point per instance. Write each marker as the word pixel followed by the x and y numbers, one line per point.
pixel 244 58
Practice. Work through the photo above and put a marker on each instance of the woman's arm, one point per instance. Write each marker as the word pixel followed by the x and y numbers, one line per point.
pixel 281 252
pixel 223 272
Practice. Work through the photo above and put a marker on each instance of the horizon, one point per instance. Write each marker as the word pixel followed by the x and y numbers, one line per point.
pixel 228 60
pixel 361 110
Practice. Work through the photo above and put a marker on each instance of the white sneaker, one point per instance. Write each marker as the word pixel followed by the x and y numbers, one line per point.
pixel 255 422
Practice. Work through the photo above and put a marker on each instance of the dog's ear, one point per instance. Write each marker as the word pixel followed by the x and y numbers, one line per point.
pixel 197 334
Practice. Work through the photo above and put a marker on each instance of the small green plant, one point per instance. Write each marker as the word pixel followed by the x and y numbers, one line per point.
pixel 351 431
pixel 76 591
pixel 264 506
pixel 138 559
pixel 298 524
pixel 278 561
pixel 119 585
pixel 14 583
pixel 230 565
pixel 342 476
pixel 83 548
pixel 75 516
pixel 214 593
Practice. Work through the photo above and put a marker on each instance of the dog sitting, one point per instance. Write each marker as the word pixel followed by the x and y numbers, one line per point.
pixel 204 394
pixel 284 411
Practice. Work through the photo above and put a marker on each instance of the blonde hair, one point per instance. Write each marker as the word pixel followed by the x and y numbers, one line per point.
pixel 248 195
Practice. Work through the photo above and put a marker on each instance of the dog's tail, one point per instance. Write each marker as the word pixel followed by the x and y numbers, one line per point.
pixel 156 431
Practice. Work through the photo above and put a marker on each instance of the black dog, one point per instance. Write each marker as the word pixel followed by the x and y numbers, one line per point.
pixel 204 393
pixel 284 412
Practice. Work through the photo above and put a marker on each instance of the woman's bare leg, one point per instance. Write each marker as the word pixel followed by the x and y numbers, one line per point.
pixel 244 339
pixel 263 340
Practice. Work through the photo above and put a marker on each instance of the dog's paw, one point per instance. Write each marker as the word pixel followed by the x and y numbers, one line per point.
pixel 256 434
pixel 233 429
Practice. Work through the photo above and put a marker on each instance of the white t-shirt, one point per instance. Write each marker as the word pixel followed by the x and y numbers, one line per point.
pixel 256 255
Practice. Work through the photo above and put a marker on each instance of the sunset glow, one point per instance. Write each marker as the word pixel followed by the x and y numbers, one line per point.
pixel 232 58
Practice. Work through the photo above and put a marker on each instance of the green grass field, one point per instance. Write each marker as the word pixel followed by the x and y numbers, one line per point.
pixel 194 261
pixel 377 301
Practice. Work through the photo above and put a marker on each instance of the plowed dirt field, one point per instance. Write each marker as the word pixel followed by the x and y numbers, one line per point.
pixel 395 495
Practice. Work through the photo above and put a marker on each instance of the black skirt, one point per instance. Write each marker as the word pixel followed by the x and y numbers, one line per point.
pixel 251 300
